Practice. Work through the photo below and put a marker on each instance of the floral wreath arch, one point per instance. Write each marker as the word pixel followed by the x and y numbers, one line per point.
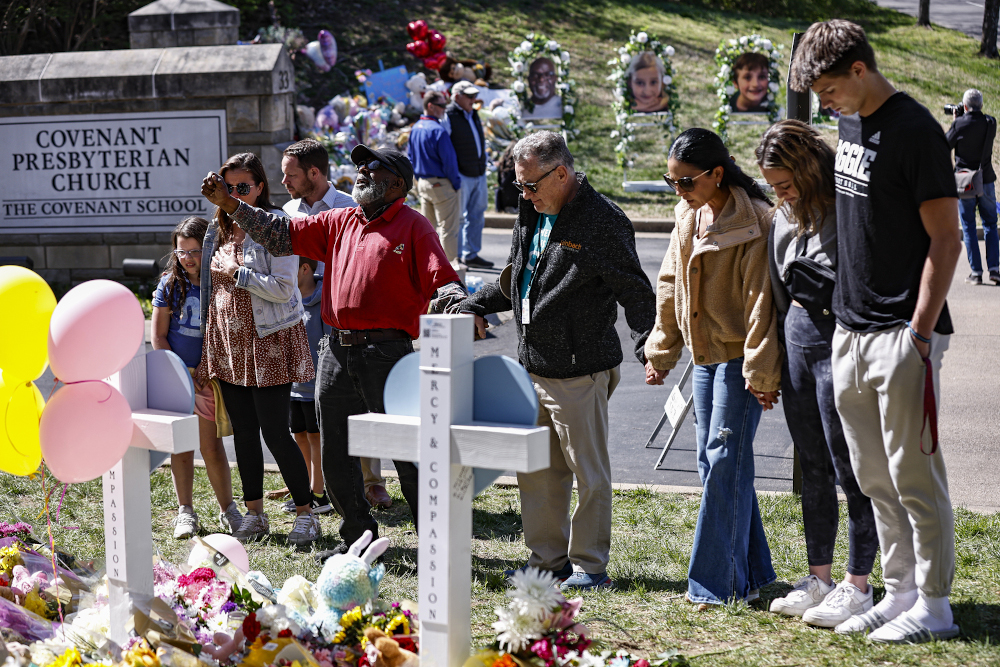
pixel 537 46
pixel 725 57
pixel 623 98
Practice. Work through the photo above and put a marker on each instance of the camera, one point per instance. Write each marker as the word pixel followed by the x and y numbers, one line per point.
pixel 954 109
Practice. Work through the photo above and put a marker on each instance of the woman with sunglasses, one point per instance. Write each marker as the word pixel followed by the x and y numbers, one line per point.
pixel 799 166
pixel 256 346
pixel 714 296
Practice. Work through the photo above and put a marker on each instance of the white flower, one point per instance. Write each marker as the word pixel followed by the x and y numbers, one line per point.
pixel 730 89
pixel 526 46
pixel 626 59
pixel 774 86
pixel 670 51
pixel 667 79
pixel 515 630
pixel 518 67
pixel 642 38
pixel 620 147
pixel 622 50
pixel 615 134
pixel 732 42
pixel 552 45
pixel 766 44
pixel 533 591
pixel 631 163
pixel 724 71
pixel 564 56
pixel 518 86
pixel 770 96
pixel 567 108
pixel 744 41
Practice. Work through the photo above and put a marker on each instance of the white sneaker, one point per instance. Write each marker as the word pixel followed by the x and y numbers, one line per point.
pixel 185 525
pixel 807 593
pixel 845 601
pixel 305 530
pixel 231 519
pixel 288 507
pixel 253 527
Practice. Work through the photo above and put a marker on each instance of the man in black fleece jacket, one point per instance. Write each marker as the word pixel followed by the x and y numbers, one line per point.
pixel 573 260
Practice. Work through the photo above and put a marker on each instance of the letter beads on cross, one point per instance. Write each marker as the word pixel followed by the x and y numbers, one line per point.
pixel 448 444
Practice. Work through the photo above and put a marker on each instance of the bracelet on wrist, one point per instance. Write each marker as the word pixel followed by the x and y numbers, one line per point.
pixel 917 335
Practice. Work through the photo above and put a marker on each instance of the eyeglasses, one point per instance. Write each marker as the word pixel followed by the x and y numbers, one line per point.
pixel 375 165
pixel 188 253
pixel 241 188
pixel 685 183
pixel 533 186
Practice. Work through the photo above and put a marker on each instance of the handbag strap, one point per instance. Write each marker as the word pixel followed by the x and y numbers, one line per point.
pixel 803 243
pixel 930 409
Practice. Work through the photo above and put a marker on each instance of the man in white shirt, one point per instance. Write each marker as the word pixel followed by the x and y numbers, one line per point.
pixel 305 166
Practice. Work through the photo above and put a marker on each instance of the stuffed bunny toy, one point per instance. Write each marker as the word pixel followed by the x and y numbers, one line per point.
pixel 347 581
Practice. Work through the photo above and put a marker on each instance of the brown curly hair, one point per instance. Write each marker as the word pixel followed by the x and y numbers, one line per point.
pixel 796 147
pixel 829 47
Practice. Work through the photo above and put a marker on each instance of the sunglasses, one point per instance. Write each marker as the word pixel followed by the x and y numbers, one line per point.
pixel 187 253
pixel 533 186
pixel 241 188
pixel 375 165
pixel 684 184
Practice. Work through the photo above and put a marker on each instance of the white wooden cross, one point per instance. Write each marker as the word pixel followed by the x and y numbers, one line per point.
pixel 448 444
pixel 128 532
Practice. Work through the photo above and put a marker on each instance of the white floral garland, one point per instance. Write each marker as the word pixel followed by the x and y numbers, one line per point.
pixel 622 104
pixel 536 46
pixel 725 56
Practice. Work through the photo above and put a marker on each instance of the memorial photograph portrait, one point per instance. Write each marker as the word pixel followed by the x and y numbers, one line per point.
pixel 647 78
pixel 751 74
pixel 544 94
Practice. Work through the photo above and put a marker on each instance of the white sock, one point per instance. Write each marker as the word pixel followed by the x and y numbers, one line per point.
pixel 188 509
pixel 894 604
pixel 932 613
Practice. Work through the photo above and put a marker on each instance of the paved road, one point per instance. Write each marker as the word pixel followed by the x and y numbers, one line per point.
pixel 962 15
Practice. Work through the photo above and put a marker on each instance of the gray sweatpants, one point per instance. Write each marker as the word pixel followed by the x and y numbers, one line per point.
pixel 878 381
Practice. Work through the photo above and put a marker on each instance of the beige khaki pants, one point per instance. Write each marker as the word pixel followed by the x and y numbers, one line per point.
pixel 576 411
pixel 878 382
pixel 371 470
pixel 440 203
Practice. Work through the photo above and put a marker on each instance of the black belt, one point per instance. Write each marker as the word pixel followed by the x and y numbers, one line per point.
pixel 347 337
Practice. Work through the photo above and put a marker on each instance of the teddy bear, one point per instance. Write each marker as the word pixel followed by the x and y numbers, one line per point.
pixel 384 651
pixel 417 85
pixel 348 580
pixel 454 70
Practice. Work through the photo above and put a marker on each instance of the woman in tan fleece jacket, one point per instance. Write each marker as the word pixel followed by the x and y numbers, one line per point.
pixel 714 296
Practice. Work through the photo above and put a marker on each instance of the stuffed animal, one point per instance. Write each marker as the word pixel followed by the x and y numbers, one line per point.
pixel 469 70
pixel 417 85
pixel 384 651
pixel 348 580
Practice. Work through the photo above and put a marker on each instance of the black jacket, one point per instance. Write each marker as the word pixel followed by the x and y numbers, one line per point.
pixel 470 162
pixel 589 266
pixel 968 135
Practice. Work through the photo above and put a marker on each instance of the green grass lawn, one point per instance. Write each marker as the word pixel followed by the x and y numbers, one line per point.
pixel 651 543
pixel 935 66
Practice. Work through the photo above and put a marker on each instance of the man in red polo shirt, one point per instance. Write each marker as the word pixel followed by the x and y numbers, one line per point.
pixel 384 264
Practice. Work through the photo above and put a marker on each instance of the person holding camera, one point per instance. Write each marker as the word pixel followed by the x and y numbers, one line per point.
pixel 971 135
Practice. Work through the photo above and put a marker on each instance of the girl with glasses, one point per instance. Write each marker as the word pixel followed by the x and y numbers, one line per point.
pixel 256 346
pixel 177 327
pixel 714 296
pixel 799 166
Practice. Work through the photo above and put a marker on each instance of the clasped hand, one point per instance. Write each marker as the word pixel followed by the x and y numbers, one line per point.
pixel 767 399
pixel 223 262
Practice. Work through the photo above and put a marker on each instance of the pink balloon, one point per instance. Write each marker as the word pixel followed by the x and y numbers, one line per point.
pixel 85 430
pixel 230 547
pixel 96 328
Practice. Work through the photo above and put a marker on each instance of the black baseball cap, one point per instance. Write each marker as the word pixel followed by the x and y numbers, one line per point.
pixel 393 159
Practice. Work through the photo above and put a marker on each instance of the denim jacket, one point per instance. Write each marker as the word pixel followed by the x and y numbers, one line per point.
pixel 271 281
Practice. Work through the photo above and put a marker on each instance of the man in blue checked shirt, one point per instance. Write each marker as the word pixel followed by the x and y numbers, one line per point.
pixel 436 169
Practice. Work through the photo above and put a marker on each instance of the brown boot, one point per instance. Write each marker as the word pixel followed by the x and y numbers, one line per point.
pixel 378 497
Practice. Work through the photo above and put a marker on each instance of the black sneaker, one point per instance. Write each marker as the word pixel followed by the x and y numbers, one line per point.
pixel 478 262
pixel 995 277
pixel 321 504
pixel 975 279
pixel 562 574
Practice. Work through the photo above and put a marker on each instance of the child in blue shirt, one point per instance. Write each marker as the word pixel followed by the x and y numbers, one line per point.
pixel 176 327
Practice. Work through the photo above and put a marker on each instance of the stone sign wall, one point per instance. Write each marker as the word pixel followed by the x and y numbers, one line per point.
pixel 251 87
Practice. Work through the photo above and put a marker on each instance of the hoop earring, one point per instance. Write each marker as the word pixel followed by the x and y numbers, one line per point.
pixel 718 185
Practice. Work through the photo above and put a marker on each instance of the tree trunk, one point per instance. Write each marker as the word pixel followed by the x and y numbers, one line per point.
pixel 924 14
pixel 991 14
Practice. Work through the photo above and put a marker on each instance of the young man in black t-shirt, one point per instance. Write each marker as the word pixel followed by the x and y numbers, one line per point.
pixel 897 246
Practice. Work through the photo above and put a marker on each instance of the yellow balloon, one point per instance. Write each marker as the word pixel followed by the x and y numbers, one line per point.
pixel 27 302
pixel 21 407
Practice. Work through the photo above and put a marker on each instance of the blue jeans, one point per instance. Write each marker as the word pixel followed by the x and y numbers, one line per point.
pixel 987 205
pixel 473 194
pixel 730 556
